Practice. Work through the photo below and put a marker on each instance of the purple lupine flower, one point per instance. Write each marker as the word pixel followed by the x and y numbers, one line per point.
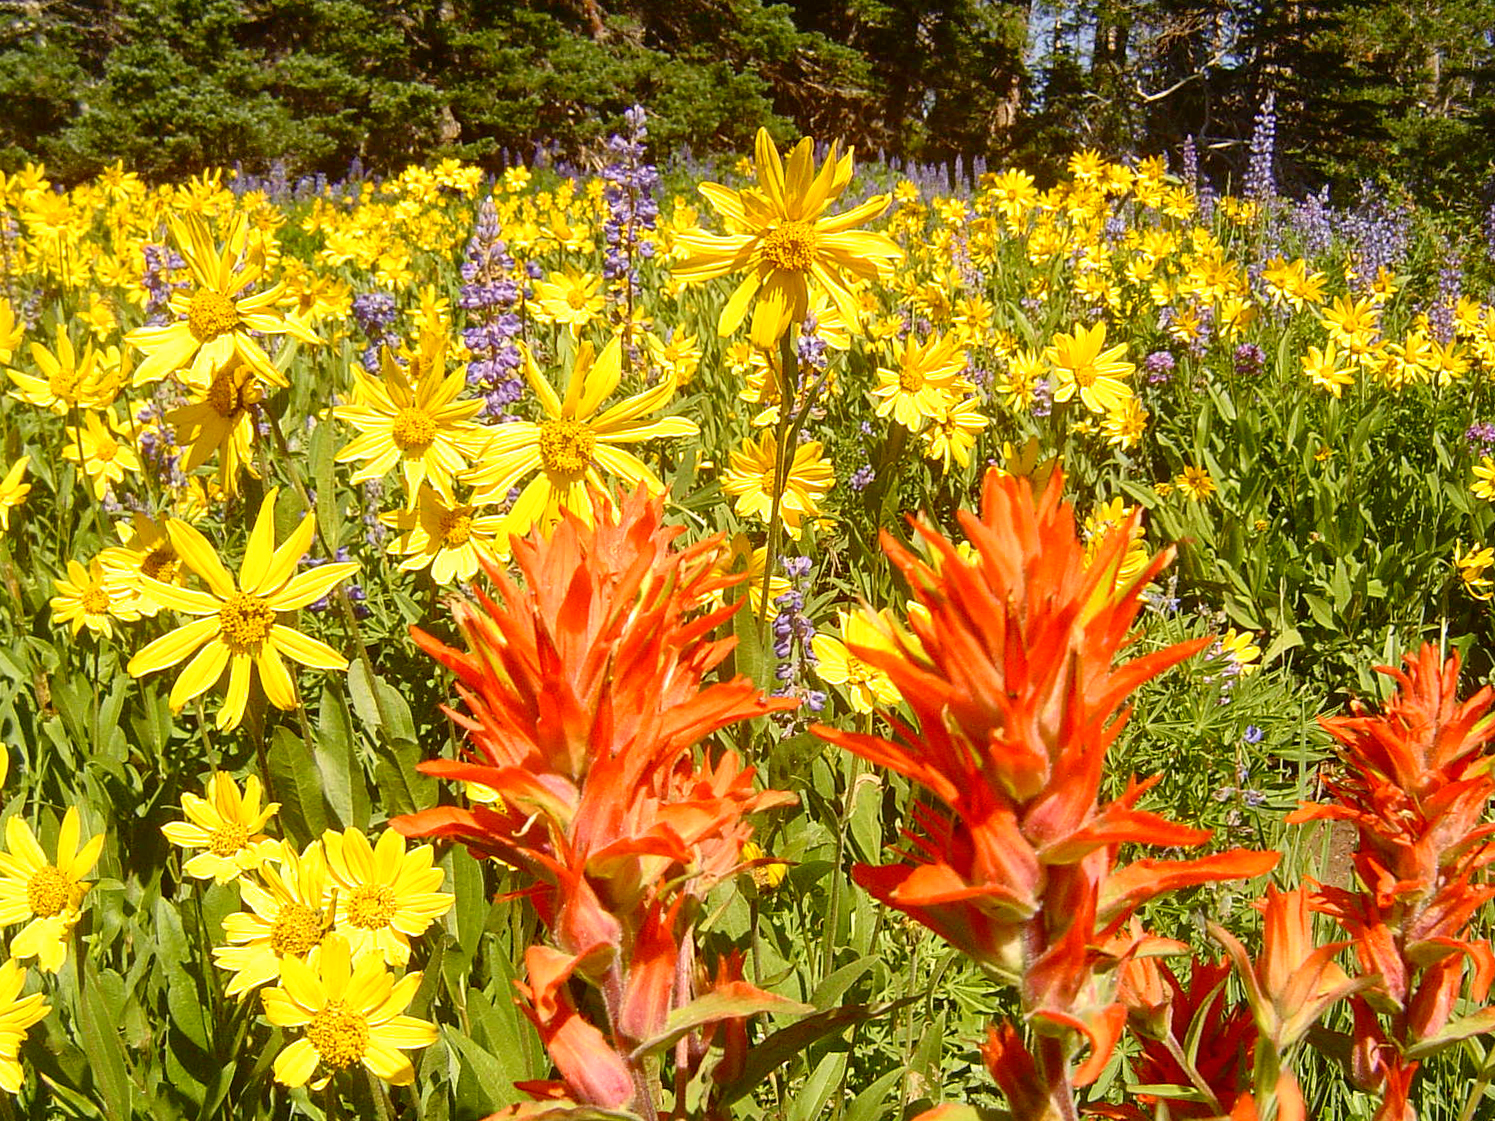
pixel 1440 314
pixel 1158 366
pixel 160 262
pixel 1480 438
pixel 1261 185
pixel 810 346
pixel 631 211
pixel 793 635
pixel 1189 159
pixel 1313 221
pixel 1250 359
pixel 1378 233
pixel 375 314
pixel 1043 397
pixel 861 478
pixel 489 295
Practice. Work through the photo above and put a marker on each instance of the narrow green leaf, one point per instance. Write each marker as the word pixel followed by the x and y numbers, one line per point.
pixel 298 786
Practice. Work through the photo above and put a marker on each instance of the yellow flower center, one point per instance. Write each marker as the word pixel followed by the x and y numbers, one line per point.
pixel 244 622
pixel 160 564
pixel 340 1035
pixel 64 385
pixel 229 839
pixel 211 314
pixel 790 246
pixel 371 906
pixel 413 430
pixel 576 299
pixel 566 447
pixel 297 929
pixel 95 601
pixel 1085 376
pixel 456 528
pixel 911 379
pixel 229 398
pixel 107 449
pixel 48 892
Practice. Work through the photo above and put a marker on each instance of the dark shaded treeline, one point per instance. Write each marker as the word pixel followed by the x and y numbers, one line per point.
pixel 1369 89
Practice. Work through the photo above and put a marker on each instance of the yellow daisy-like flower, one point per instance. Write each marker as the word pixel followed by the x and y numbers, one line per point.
pixel 573 441
pixel 1125 427
pixel 104 455
pixel 385 896
pixel 866 686
pixel 69 380
pixel 17 1014
pixel 926 383
pixel 289 915
pixel 221 420
pixel 679 358
pixel 147 552
pixel 47 893
pixel 952 433
pixel 351 1014
pixel 216 319
pixel 90 598
pixel 1082 366
pixel 238 628
pixel 1472 565
pixel 449 538
pixel 1197 483
pixel 570 298
pixel 752 481
pixel 425 429
pixel 778 236
pixel 13 492
pixel 1484 480
pixel 1240 651
pixel 227 825
pixel 13 331
pixel 1323 369
pixel 738 558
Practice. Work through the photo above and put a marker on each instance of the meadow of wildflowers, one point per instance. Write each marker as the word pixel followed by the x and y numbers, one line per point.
pixel 794 638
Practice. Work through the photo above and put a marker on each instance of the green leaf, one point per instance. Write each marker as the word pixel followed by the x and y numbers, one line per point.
pixel 494 1086
pixel 1454 1032
pixel 817 1090
pixel 404 789
pixel 323 450
pixel 337 761
pixel 101 1042
pixel 297 785
pixel 714 1007
pixel 789 1043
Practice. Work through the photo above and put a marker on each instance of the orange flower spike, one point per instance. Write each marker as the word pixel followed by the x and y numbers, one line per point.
pixel 1294 982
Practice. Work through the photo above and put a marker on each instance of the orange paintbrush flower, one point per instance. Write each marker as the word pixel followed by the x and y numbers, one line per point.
pixel 585 702
pixel 1415 782
pixel 1017 691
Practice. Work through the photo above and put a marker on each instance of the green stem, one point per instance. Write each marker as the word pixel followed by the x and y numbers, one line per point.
pixel 788 372
pixel 340 594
